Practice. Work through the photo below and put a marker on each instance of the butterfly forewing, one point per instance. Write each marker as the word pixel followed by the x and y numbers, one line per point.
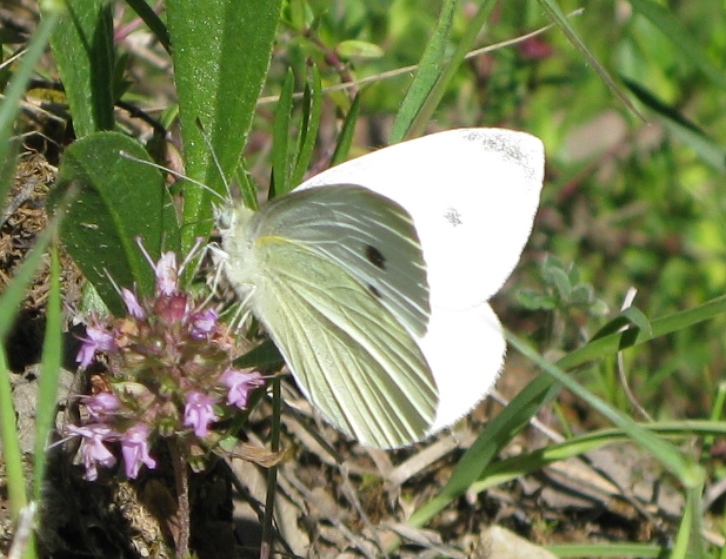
pixel 368 235
pixel 340 285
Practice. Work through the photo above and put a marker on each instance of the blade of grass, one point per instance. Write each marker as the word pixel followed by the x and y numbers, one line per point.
pixel 556 13
pixel 12 456
pixel 509 469
pixel 10 106
pixel 345 139
pixel 152 20
pixel 279 184
pixel 674 30
pixel 429 69
pixel 451 67
pixel 15 291
pixel 688 472
pixel 707 148
pixel 50 371
pixel 611 549
pixel 312 110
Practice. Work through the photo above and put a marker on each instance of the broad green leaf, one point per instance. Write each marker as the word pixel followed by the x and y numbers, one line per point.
pixel 119 200
pixel 221 51
pixel 83 49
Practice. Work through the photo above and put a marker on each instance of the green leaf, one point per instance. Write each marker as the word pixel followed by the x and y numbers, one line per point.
pixel 281 139
pixel 345 140
pixel 415 114
pixel 50 372
pixel 509 469
pixel 533 300
pixel 630 317
pixel 221 52
pixel 119 200
pixel 152 20
pixel 9 441
pixel 83 49
pixel 707 148
pixel 556 13
pixel 428 72
pixel 673 29
pixel 561 282
pixel 358 49
pixel 10 106
pixel 312 109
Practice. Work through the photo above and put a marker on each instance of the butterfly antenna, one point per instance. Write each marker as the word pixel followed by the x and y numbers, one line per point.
pixel 127 155
pixel 213 153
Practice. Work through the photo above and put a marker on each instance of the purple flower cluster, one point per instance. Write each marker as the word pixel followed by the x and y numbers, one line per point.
pixel 170 373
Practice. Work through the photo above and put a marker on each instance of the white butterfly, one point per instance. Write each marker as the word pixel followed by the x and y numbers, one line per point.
pixel 392 340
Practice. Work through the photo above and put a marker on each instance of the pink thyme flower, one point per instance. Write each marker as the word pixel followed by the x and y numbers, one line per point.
pixel 132 303
pixel 135 449
pixel 97 339
pixel 93 450
pixel 166 274
pixel 240 384
pixel 102 404
pixel 199 413
pixel 203 323
pixel 171 308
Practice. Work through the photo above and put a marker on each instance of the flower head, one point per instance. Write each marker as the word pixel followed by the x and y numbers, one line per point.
pixel 165 358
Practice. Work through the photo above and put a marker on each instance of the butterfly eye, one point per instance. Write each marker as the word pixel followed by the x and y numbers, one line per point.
pixel 223 216
pixel 375 257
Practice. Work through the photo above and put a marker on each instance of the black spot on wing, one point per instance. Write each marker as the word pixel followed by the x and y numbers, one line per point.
pixel 376 293
pixel 375 257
